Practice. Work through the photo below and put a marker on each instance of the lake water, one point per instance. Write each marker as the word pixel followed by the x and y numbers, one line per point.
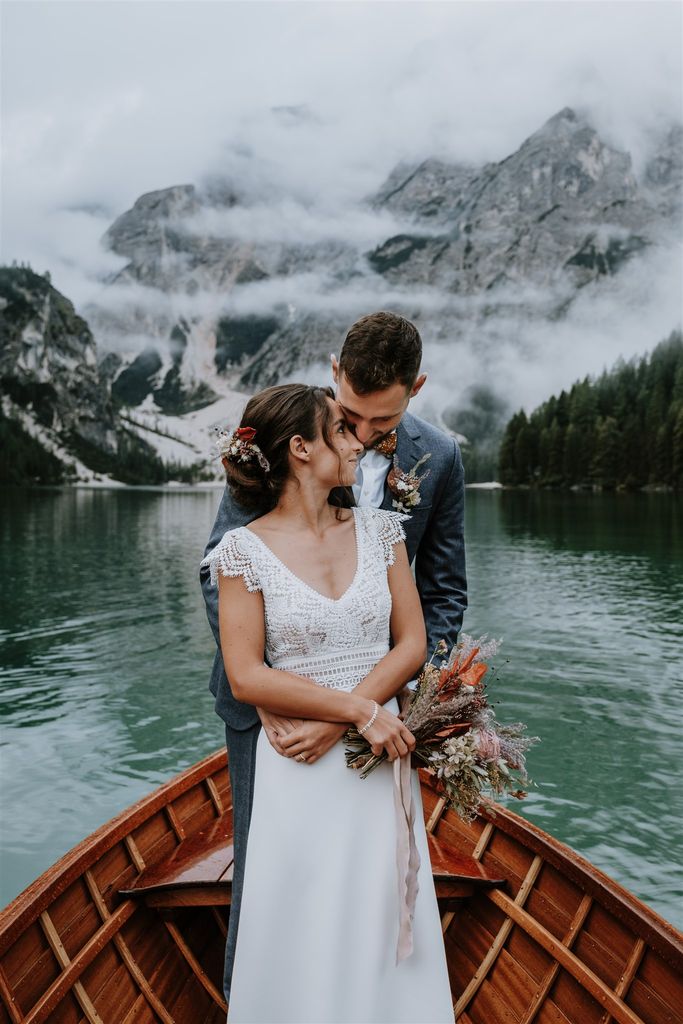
pixel 105 655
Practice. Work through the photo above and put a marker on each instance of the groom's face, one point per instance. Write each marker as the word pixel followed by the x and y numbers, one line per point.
pixel 373 415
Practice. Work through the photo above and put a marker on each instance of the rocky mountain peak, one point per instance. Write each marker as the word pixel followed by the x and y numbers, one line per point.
pixel 663 175
pixel 147 215
pixel 58 418
pixel 428 191
pixel 560 123
pixel 526 233
pixel 40 331
pixel 533 216
pixel 566 159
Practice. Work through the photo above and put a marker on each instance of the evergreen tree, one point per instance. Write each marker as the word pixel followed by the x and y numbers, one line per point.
pixel 605 467
pixel 524 463
pixel 677 451
pixel 573 456
pixel 554 476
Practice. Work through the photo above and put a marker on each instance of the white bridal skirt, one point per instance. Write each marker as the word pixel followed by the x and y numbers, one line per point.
pixel 319 919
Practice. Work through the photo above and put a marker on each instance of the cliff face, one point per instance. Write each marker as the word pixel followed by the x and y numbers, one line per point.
pixel 564 209
pixel 49 380
pixel 530 232
pixel 58 419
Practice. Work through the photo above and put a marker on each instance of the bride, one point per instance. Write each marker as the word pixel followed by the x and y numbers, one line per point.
pixel 328 594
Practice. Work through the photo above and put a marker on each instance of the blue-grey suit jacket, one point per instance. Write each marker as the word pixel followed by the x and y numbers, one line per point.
pixel 434 539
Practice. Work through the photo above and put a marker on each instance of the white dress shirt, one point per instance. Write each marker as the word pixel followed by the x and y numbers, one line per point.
pixel 371 476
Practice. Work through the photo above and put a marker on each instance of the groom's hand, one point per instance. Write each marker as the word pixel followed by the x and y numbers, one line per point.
pixel 276 727
pixel 312 739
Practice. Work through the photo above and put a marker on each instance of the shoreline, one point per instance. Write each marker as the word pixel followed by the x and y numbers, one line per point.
pixel 175 487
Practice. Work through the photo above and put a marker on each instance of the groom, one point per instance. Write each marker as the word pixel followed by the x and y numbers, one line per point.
pixel 377 374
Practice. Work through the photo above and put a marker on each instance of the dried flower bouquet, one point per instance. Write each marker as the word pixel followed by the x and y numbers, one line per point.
pixel 458 737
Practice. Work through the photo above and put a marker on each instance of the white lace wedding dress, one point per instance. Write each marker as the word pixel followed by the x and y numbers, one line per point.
pixel 320 918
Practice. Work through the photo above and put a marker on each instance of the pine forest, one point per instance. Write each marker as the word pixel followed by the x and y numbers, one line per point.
pixel 622 430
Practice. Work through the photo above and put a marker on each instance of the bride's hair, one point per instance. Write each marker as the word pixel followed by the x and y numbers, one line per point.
pixel 277 414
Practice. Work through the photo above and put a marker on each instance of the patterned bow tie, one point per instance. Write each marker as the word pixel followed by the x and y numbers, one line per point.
pixel 387 446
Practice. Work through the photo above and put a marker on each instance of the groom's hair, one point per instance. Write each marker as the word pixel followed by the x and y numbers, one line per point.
pixel 381 349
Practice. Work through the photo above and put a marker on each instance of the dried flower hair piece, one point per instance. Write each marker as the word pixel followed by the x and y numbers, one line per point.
pixel 238 446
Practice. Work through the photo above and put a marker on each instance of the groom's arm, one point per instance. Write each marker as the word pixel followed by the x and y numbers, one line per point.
pixel 230 515
pixel 440 560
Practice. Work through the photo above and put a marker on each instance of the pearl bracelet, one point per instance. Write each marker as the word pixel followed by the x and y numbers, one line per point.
pixel 367 725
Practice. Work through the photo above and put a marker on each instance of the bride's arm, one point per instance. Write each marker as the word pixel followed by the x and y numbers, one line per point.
pixel 390 674
pixel 242 633
pixel 407 656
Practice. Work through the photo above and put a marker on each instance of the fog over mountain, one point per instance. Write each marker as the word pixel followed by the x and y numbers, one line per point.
pixel 509 268
pixel 221 193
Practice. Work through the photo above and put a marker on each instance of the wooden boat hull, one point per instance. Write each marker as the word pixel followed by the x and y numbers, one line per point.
pixel 130 925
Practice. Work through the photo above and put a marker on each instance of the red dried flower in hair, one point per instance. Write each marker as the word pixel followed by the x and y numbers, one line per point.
pixel 246 433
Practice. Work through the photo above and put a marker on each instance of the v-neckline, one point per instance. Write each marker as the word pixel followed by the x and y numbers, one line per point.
pixel 332 600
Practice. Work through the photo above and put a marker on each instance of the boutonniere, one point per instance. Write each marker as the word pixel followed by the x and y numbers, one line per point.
pixel 405 487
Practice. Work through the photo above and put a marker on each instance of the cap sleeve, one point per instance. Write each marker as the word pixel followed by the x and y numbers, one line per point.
pixel 388 530
pixel 231 557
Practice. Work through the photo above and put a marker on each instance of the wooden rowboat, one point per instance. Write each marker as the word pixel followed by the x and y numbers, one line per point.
pixel 130 925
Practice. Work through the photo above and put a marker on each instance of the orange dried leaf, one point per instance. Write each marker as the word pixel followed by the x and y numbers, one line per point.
pixel 474 675
pixel 468 661
pixel 445 675
pixel 454 729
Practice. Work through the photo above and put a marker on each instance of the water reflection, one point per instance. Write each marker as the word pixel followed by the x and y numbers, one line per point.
pixel 649 525
pixel 105 655
pixel 588 592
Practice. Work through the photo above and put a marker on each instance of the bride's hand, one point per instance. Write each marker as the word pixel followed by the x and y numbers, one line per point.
pixel 388 733
pixel 277 727
pixel 312 739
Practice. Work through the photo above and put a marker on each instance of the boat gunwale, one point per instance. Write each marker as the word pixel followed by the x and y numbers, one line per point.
pixel 41 893
pixel 640 918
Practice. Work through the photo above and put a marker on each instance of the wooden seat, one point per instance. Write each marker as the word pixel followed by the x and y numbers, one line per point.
pixel 456 875
pixel 199 871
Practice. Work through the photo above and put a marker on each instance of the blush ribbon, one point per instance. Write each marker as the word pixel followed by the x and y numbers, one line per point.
pixel 407 856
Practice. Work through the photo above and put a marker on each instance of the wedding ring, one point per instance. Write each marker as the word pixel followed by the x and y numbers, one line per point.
pixel 301 757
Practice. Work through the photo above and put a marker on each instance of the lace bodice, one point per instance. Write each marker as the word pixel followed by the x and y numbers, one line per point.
pixel 338 641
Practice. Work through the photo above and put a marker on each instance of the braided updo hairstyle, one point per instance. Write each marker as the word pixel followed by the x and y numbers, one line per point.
pixel 277 414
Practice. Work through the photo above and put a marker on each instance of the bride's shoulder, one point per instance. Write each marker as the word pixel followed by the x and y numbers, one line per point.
pixel 380 517
pixel 385 527
pixel 233 556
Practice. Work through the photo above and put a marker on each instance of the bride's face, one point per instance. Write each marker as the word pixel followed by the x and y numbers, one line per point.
pixel 336 465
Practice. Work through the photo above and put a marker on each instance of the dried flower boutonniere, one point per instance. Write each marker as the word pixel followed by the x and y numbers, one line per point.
pixel 406 486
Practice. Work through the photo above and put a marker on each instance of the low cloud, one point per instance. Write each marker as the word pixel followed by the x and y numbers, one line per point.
pixel 305 109
pixel 291 222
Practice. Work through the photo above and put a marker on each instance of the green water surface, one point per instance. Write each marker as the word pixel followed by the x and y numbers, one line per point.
pixel 105 655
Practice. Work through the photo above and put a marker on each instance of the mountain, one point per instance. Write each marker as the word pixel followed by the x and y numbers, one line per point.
pixel 565 208
pixel 60 422
pixel 224 288
pixel 524 235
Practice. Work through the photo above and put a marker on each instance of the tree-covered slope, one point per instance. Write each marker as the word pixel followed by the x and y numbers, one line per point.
pixel 624 429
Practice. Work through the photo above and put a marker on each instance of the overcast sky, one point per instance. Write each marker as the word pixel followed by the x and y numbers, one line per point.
pixel 102 101
pixel 105 100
